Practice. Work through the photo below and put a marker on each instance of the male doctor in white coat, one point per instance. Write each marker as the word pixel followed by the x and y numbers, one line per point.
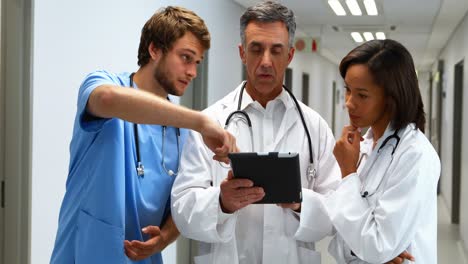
pixel 211 206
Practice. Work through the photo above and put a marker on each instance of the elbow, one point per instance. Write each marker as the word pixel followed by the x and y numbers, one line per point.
pixel 179 221
pixel 102 101
pixel 180 215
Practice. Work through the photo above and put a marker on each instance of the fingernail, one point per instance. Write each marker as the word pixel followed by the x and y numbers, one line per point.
pixel 144 229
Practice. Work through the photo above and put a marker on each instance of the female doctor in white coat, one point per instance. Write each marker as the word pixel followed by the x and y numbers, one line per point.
pixel 386 203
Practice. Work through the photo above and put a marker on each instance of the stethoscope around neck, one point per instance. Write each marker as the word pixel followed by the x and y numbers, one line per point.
pixel 139 167
pixel 311 171
pixel 364 192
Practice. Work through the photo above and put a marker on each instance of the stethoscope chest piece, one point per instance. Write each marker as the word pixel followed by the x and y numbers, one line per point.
pixel 140 169
pixel 311 172
pixel 311 175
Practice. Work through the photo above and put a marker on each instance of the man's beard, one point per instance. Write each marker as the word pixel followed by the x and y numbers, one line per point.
pixel 161 76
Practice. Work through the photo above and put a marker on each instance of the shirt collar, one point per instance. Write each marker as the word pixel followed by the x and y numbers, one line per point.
pixel 247 100
pixel 366 145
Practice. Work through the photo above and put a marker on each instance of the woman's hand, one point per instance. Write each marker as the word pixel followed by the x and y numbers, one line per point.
pixel 347 149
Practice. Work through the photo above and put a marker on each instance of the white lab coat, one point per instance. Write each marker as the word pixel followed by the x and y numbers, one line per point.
pixel 400 211
pixel 195 194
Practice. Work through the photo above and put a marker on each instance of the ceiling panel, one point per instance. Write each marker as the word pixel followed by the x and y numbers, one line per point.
pixel 411 22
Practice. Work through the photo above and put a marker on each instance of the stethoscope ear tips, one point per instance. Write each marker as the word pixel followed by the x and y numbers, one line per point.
pixel 170 172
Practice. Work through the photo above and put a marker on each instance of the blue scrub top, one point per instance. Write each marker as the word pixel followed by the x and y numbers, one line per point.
pixel 106 201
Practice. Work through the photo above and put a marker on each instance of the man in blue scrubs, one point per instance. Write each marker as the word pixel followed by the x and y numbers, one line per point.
pixel 115 211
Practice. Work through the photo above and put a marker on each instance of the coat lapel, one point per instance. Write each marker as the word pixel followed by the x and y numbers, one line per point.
pixel 290 118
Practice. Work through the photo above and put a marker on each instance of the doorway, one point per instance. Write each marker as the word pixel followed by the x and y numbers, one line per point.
pixel 457 141
pixel 435 111
pixel 2 144
pixel 195 97
pixel 305 88
pixel 335 100
pixel 437 96
pixel 16 89
pixel 288 79
pixel 196 94
pixel 15 130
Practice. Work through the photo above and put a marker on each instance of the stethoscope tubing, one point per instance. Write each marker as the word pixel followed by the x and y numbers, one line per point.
pixel 311 171
pixel 243 113
pixel 365 193
pixel 140 168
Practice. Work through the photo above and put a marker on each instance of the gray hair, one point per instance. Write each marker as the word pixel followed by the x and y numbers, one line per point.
pixel 269 11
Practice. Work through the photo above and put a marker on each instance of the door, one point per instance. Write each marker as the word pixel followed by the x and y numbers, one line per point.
pixel 436 107
pixel 305 88
pixel 335 100
pixel 428 108
pixel 196 94
pixel 15 86
pixel 435 110
pixel 2 146
pixel 195 97
pixel 457 141
pixel 288 79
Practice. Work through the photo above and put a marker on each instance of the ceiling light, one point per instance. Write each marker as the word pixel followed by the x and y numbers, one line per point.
pixel 368 36
pixel 371 8
pixel 380 35
pixel 337 7
pixel 354 7
pixel 357 37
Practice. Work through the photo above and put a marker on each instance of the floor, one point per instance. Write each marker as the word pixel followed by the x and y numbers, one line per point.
pixel 450 249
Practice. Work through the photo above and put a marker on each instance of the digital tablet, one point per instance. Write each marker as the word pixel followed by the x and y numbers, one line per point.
pixel 277 173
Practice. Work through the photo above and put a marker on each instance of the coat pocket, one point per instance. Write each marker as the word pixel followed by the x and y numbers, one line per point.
pixel 97 241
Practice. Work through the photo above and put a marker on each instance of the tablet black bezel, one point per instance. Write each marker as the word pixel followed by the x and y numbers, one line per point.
pixel 277 173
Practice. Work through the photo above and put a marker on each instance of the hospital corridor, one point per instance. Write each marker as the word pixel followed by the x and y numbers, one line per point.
pixel 49 47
